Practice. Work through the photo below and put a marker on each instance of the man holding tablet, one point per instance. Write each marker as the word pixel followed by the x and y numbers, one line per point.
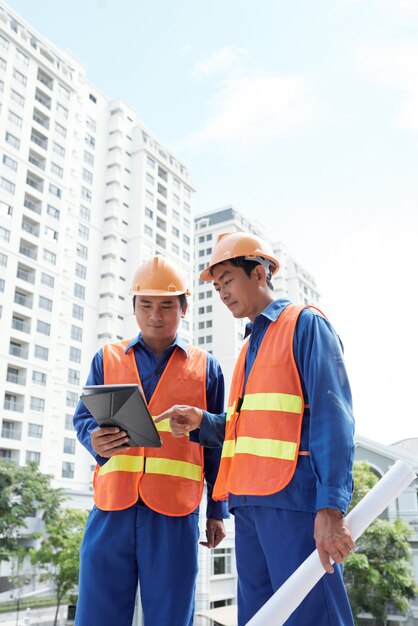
pixel 144 525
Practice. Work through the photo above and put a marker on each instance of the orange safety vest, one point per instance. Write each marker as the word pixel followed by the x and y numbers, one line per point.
pixel 168 479
pixel 262 433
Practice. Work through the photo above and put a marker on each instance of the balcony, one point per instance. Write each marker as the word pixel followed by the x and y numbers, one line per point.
pixel 13 405
pixel 39 139
pixel 11 433
pixel 35 182
pixel 30 227
pixel 32 253
pixel 19 350
pixel 26 274
pixel 45 79
pixel 41 119
pixel 43 99
pixel 16 379
pixel 33 204
pixel 37 160
pixel 23 299
pixel 22 325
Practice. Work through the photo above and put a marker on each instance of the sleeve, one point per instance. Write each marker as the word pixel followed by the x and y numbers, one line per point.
pixel 215 391
pixel 84 422
pixel 319 357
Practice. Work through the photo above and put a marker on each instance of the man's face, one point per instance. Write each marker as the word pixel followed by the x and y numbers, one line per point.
pixel 158 317
pixel 239 292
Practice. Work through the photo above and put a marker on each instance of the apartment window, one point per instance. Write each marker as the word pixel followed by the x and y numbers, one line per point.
pixel 93 98
pixel 162 207
pixel 15 119
pixel 209 309
pixel 67 470
pixel 62 110
pixel 88 158
pixel 3 259
pixel 149 196
pixel 150 162
pixel 41 352
pixel 150 178
pixel 3 63
pixel 71 398
pixel 79 291
pixel 17 97
pixel 73 377
pixel 82 251
pixel 201 325
pixel 64 91
pixel 1 87
pixel 161 224
pixel 69 445
pixel 85 213
pixel 186 255
pixel 208 294
pixel 160 241
pixel 162 190
pixel 87 176
pixel 76 333
pixel 2 283
pixel 39 378
pixel 221 561
pixel 21 78
pixel 202 252
pixel 209 237
pixel 186 223
pixel 49 257
pixel 55 191
pixel 91 124
pixel 78 312
pixel 148 230
pixel 7 185
pixel 162 173
pixel 176 183
pixel 45 79
pixel 176 215
pixel 35 430
pixel 42 98
pixel 68 424
pixel 83 232
pixel 187 207
pixel 43 327
pixel 22 57
pixel 86 194
pixel 48 280
pixel 37 404
pixel 50 233
pixel 149 213
pixel 200 340
pixel 175 248
pixel 4 234
pixel 89 140
pixel 80 271
pixel 75 355
pixel 186 239
pixel 11 430
pixel 57 170
pixel 12 140
pixel 4 43
pixel 33 457
pixel 61 130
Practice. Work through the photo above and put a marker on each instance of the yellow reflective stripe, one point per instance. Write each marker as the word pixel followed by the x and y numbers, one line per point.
pixel 122 463
pixel 164 427
pixel 271 448
pixel 229 412
pixel 272 402
pixel 173 468
pixel 228 448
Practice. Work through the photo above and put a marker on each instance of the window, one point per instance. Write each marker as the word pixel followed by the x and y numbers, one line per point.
pixel 55 191
pixel 175 248
pixel 88 158
pixel 160 241
pixel 76 333
pixel 200 340
pixel 14 95
pixel 73 377
pixel 12 140
pixel 39 378
pixel 7 185
pixel 15 119
pixel 68 425
pixel 35 430
pixel 67 470
pixel 3 259
pixel 89 140
pixel 80 271
pixel 4 234
pixel 48 280
pixel 78 312
pixel 150 178
pixel 57 170
pixel 150 162
pixel 149 213
pixel 161 224
pixel 149 196
pixel 50 257
pixel 61 130
pixel 21 78
pixel 45 79
pixel 75 354
pixel 64 91
pixel 162 207
pixel 69 445
pixel 86 194
pixel 221 561
pixel 82 251
pixel 209 309
pixel 148 230
pixel 186 239
pixel 41 353
pixel 83 232
pixel 71 398
pixel 186 255
pixel 79 291
pixel 162 190
pixel 33 457
pixel 62 110
pixel 176 215
pixel 3 63
pixel 37 404
pixel 208 338
pixel 50 233
pixel 162 173
pixel 43 327
pixel 87 176
pixel 4 43
pixel 93 98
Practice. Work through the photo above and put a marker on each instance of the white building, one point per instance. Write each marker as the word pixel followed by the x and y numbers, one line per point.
pixel 86 194
pixel 215 328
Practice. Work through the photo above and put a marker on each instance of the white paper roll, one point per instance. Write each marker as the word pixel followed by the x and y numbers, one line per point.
pixel 286 599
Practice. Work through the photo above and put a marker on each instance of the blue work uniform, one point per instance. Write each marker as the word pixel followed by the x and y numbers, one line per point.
pixel 275 533
pixel 120 548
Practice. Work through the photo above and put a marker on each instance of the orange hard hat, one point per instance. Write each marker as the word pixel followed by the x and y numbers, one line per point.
pixel 158 277
pixel 251 247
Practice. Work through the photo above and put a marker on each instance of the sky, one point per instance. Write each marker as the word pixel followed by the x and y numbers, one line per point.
pixel 304 116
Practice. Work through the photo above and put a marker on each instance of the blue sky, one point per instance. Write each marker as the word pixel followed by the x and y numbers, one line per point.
pixel 304 116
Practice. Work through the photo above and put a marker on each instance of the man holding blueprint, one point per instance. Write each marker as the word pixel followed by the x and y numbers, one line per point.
pixel 144 525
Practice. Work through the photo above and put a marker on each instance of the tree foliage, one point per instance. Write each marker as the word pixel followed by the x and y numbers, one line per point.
pixel 379 575
pixel 23 491
pixel 58 554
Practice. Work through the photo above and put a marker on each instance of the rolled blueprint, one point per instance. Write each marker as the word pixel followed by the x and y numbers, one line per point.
pixel 286 599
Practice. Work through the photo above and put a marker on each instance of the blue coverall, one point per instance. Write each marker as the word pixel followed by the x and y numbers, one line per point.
pixel 274 534
pixel 121 547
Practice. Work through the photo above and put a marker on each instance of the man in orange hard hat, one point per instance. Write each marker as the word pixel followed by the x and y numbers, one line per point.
pixel 287 438
pixel 144 524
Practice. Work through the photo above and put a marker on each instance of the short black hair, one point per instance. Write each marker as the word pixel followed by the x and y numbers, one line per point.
pixel 182 297
pixel 247 266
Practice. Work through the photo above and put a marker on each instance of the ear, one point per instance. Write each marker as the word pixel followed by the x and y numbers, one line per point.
pixel 261 275
pixel 184 310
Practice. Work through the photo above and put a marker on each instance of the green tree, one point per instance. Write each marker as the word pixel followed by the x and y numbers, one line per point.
pixel 23 492
pixel 379 574
pixel 58 554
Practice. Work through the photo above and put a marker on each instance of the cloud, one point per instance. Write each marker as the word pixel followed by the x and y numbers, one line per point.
pixel 221 60
pixel 255 110
pixel 395 66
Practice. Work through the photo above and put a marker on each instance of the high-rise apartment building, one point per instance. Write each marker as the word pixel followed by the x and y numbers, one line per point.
pixel 215 329
pixel 86 194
